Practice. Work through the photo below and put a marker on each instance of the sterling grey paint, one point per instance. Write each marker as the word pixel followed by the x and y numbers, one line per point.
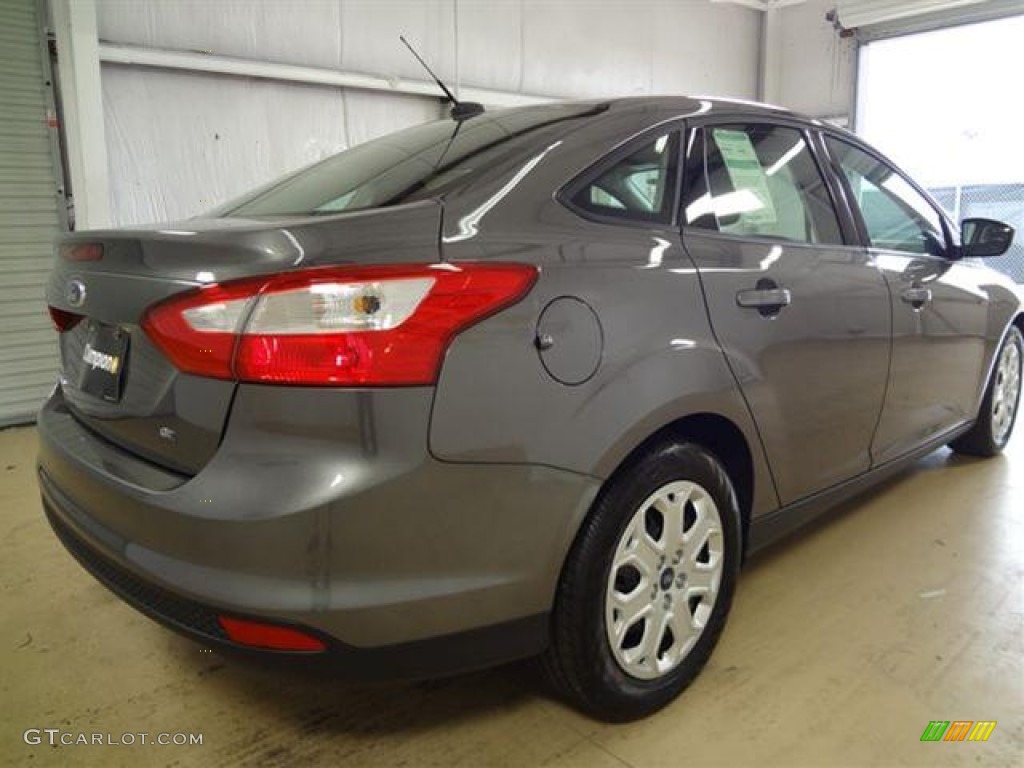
pixel 384 517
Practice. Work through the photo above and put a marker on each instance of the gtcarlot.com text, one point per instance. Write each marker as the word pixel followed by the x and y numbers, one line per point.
pixel 55 737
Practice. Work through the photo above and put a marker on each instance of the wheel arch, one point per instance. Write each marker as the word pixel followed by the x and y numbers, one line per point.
pixel 717 434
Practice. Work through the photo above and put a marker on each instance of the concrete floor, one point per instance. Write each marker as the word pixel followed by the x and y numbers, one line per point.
pixel 905 607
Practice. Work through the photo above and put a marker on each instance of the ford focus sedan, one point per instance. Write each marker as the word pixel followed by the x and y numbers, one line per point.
pixel 531 383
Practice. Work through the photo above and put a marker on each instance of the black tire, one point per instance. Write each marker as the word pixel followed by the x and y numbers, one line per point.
pixel 982 439
pixel 580 661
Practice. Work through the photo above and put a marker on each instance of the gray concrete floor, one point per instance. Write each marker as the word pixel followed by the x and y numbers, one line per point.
pixel 904 607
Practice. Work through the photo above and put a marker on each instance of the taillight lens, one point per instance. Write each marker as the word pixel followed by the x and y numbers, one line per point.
pixel 386 325
pixel 63 321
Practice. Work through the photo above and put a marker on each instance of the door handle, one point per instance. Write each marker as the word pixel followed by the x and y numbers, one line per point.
pixel 768 298
pixel 916 297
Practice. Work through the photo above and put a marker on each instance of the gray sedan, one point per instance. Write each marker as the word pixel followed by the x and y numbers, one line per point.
pixel 531 382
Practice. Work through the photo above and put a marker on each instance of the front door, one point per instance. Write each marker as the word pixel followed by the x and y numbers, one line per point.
pixel 939 306
pixel 800 309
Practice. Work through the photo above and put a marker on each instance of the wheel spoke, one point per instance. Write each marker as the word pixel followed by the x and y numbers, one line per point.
pixel 640 550
pixel 672 517
pixel 702 580
pixel 653 637
pixel 683 627
pixel 631 610
pixel 700 531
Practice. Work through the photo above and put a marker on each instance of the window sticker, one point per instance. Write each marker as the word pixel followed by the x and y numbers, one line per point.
pixel 746 173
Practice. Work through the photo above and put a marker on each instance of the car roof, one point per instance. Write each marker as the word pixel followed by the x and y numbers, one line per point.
pixel 703 104
pixel 669 106
pixel 682 104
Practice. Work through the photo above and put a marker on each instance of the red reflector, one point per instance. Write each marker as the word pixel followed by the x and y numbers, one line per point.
pixel 63 321
pixel 364 326
pixel 259 635
pixel 82 251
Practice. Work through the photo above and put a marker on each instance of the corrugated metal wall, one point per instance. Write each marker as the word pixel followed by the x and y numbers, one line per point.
pixel 29 218
pixel 181 142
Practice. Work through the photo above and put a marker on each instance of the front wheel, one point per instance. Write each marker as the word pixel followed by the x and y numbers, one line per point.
pixel 991 432
pixel 648 584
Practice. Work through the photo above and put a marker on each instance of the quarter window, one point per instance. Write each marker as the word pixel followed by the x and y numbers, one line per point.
pixel 897 216
pixel 757 180
pixel 638 186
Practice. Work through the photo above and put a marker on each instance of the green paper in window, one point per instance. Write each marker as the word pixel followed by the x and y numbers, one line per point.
pixel 752 200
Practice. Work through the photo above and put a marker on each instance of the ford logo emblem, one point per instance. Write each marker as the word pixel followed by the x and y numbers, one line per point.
pixel 74 294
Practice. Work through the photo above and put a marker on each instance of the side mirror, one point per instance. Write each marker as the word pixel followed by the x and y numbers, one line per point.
pixel 982 238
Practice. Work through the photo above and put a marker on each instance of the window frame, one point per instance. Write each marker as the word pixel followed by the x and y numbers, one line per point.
pixel 848 230
pixel 568 191
pixel 950 231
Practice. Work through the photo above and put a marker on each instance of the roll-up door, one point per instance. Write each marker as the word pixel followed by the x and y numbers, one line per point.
pixel 29 217
pixel 878 19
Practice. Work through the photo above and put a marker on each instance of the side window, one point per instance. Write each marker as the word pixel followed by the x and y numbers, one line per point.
pixel 896 215
pixel 639 186
pixel 757 180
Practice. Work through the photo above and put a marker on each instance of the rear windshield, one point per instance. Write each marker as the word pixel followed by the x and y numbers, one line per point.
pixel 409 165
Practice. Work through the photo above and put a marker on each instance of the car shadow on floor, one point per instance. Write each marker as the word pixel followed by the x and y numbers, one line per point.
pixel 320 701
pixel 942 460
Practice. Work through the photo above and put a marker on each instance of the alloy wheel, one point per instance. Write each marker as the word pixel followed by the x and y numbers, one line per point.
pixel 1007 391
pixel 665 576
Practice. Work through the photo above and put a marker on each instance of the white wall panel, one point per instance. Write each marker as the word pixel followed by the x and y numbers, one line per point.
pixel 491 44
pixel 702 48
pixel 600 47
pixel 178 140
pixel 817 68
pixel 587 48
pixel 370 30
pixel 291 31
pixel 179 143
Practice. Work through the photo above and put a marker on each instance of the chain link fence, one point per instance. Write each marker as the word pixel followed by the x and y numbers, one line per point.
pixel 1003 202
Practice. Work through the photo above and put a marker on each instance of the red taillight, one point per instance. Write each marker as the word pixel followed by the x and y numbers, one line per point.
pixel 82 251
pixel 256 634
pixel 63 321
pixel 387 325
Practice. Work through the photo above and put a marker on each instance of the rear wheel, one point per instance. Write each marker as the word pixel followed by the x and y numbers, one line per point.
pixel 647 586
pixel 991 432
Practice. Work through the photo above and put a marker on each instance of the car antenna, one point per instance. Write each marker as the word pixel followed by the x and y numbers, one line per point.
pixel 461 110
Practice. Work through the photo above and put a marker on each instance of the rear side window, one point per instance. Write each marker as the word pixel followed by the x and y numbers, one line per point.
pixel 639 186
pixel 757 180
pixel 896 216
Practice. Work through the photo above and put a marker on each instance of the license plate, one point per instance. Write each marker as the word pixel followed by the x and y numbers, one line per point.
pixel 103 361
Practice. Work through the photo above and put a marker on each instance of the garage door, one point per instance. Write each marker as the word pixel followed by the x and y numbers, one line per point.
pixel 29 218
pixel 880 19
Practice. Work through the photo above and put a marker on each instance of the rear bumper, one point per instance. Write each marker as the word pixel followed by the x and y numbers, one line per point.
pixel 343 527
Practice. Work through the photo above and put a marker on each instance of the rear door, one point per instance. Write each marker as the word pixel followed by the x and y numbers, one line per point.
pixel 940 307
pixel 799 307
